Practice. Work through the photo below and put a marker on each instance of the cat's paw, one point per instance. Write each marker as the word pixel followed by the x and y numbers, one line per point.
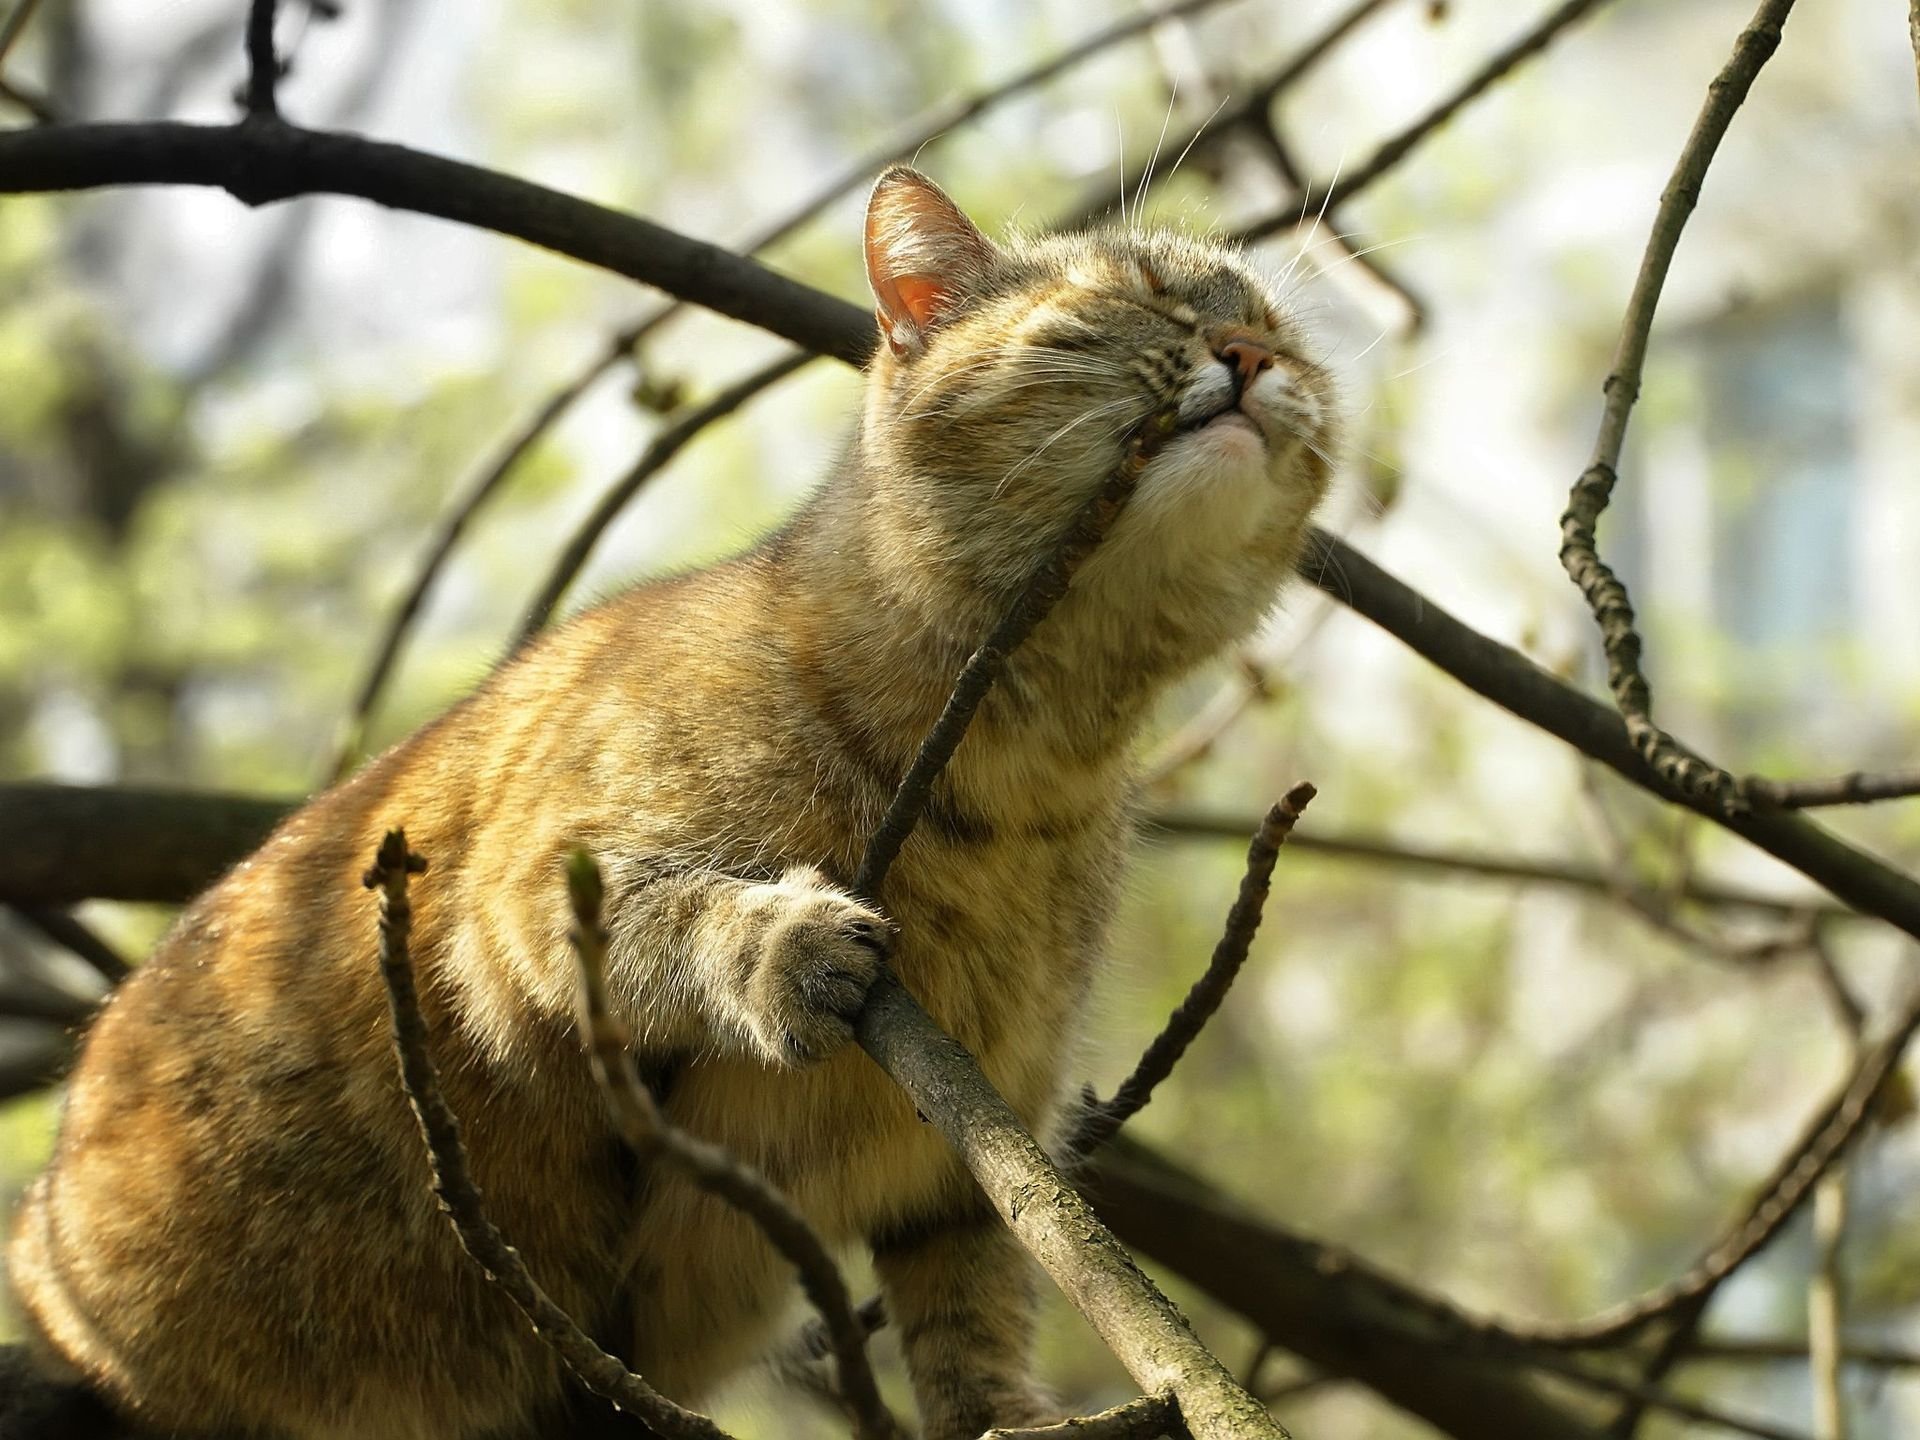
pixel 820 954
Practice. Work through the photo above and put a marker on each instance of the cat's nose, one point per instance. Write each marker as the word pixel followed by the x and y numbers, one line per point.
pixel 1246 359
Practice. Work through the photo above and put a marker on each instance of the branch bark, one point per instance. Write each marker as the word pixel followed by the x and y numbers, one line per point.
pixel 259 162
pixel 1606 595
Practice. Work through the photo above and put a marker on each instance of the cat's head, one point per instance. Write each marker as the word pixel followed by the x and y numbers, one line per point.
pixel 1009 375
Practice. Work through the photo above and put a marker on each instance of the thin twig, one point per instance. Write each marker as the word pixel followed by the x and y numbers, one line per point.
pixel 1825 1298
pixel 1856 787
pixel 660 450
pixel 1182 824
pixel 1392 151
pixel 1832 1131
pixel 1040 594
pixel 487 483
pixel 637 1117
pixel 453 1180
pixel 15 25
pixel 1143 1418
pixel 1606 595
pixel 263 63
pixel 1716 1351
pixel 1242 114
pixel 1099 1121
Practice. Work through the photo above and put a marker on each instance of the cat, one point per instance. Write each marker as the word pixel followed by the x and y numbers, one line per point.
pixel 236 1233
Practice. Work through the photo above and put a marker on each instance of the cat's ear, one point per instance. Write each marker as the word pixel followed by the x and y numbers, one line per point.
pixel 924 258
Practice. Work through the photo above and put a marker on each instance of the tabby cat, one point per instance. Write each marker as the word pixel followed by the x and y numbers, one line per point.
pixel 236 1233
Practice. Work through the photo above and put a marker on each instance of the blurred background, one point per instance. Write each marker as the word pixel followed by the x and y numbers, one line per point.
pixel 227 438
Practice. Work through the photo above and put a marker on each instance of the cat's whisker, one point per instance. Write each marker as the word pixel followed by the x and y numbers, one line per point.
pixel 1095 412
pixel 1146 176
pixel 1195 140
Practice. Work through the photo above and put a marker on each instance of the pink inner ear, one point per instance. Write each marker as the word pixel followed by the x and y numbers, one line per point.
pixel 922 297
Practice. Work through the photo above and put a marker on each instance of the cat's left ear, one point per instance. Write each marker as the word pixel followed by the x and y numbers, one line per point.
pixel 924 258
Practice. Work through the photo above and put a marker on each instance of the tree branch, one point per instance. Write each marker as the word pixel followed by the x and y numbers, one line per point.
pixel 1328 197
pixel 259 164
pixel 1100 1120
pixel 647 1132
pixel 655 458
pixel 1138 1323
pixel 1145 1418
pixel 1856 787
pixel 1183 824
pixel 1606 595
pixel 453 1181
pixel 1515 683
pixel 263 63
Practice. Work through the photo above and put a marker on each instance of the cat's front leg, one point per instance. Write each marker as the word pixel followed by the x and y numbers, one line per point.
pixel 775 968
pixel 959 1291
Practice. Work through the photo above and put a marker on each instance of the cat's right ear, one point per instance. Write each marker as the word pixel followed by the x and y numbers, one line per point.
pixel 924 258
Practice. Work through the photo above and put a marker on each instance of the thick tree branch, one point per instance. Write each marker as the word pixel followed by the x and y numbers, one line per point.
pixel 1605 593
pixel 259 163
pixel 1515 683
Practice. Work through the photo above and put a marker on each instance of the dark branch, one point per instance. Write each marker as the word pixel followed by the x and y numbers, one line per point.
pixel 1856 787
pixel 637 1117
pixel 259 164
pixel 1605 593
pixel 1570 874
pixel 68 932
pixel 453 1181
pixel 1235 116
pixel 1514 682
pixel 1391 152
pixel 1040 594
pixel 263 62
pixel 659 452
pixel 1100 1121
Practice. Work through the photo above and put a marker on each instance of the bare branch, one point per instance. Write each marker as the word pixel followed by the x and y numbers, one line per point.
pixel 487 483
pixel 69 932
pixel 11 29
pixel 651 1136
pixel 1831 1133
pixel 1856 787
pixel 453 1181
pixel 664 446
pixel 1514 682
pixel 1249 112
pixel 263 62
pixel 1824 1303
pixel 1040 594
pixel 1715 1351
pixel 260 164
pixel 1099 1121
pixel 1144 1418
pixel 1184 824
pixel 1328 197
pixel 1606 595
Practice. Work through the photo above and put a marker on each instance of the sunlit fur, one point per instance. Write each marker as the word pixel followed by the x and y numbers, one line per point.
pixel 237 1232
